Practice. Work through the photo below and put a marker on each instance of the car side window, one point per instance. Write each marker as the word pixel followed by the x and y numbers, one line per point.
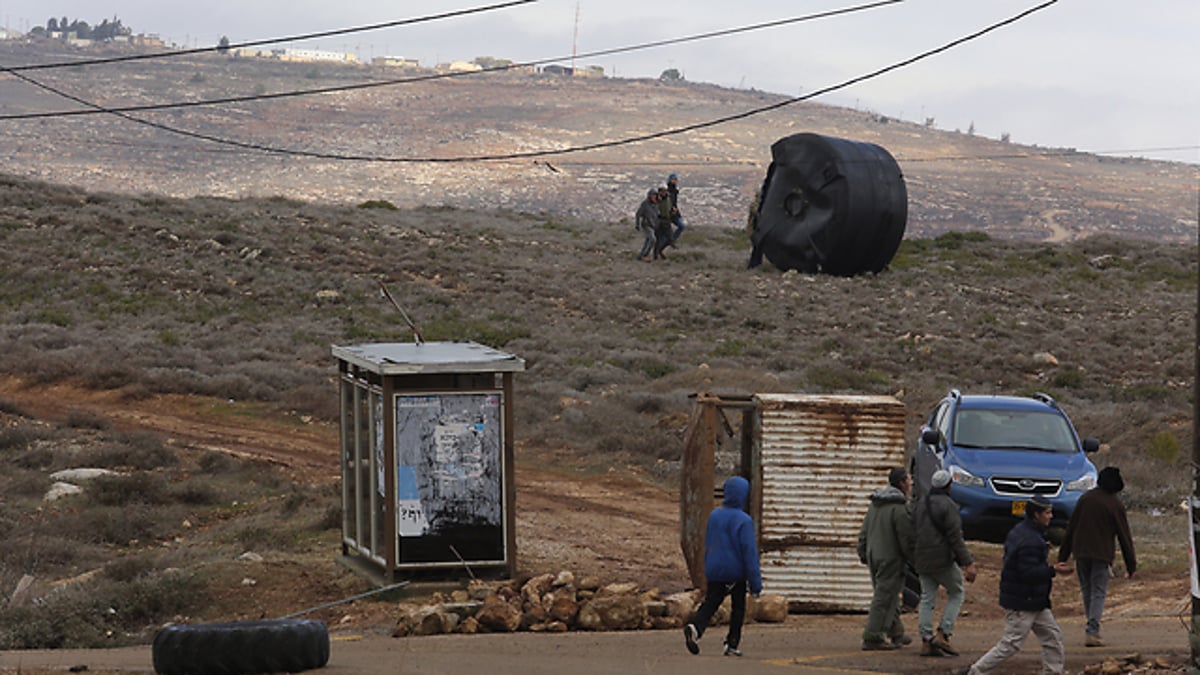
pixel 941 420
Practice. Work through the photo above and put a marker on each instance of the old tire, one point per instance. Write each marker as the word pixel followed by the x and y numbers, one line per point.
pixel 269 646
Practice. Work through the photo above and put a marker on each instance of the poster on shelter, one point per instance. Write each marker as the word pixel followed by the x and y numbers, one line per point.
pixel 448 455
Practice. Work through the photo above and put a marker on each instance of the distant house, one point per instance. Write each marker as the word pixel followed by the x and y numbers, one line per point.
pixel 309 55
pixel 395 62
pixel 558 70
pixel 143 40
pixel 463 67
pixel 6 34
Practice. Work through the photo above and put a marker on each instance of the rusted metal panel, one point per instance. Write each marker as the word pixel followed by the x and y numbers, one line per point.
pixel 696 485
pixel 819 458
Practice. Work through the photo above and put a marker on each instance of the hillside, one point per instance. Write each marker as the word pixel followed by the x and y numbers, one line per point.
pixel 168 310
pixel 956 181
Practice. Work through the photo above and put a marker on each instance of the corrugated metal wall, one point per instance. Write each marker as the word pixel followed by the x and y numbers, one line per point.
pixel 818 460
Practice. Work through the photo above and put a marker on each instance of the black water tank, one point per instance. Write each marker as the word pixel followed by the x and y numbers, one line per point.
pixel 830 205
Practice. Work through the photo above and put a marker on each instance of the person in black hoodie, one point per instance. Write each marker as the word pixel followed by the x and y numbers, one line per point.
pixel 1099 517
pixel 1025 582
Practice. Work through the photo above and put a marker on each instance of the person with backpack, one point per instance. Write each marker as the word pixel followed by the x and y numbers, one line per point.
pixel 940 558
pixel 730 566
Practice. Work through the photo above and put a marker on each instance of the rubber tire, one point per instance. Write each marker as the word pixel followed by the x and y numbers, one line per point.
pixel 267 646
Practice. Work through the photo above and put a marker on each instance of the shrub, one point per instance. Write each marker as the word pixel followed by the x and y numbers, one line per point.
pixel 1164 446
pixel 378 204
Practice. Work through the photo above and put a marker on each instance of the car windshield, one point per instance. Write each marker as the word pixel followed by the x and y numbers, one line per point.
pixel 1009 429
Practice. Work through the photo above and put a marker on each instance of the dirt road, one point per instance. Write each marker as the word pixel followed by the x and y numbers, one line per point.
pixel 805 644
pixel 609 525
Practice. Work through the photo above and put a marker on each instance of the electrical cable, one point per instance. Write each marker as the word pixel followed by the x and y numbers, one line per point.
pixel 436 76
pixel 256 43
pixel 629 140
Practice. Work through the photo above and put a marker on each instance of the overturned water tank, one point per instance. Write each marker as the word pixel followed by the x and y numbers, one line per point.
pixel 829 205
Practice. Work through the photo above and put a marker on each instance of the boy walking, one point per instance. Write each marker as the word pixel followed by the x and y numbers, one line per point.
pixel 730 564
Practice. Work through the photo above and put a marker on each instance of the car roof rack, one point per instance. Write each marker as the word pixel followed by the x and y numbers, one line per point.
pixel 1046 398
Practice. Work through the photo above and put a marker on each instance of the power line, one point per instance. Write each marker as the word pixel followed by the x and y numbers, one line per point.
pixel 256 43
pixel 581 148
pixel 96 110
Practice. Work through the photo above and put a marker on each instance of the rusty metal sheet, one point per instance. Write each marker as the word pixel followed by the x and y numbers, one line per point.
pixel 819 458
pixel 696 484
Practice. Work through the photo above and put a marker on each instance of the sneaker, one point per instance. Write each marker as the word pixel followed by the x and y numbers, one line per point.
pixel 927 648
pixel 1093 641
pixel 880 646
pixel 732 651
pixel 901 640
pixel 941 641
pixel 691 638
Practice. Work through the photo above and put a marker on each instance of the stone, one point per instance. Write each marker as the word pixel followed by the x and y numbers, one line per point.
pixel 563 607
pixel 22 595
pixel 535 588
pixel 80 475
pixel 499 616
pixel 624 588
pixel 612 613
pixel 59 490
pixel 680 604
pixel 468 626
pixel 771 608
pixel 564 578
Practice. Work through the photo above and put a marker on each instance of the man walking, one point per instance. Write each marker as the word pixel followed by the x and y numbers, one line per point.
pixel 885 544
pixel 676 216
pixel 941 559
pixel 1099 517
pixel 1025 583
pixel 647 223
pixel 730 564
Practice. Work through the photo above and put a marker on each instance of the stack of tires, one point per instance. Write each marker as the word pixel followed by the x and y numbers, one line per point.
pixel 242 647
pixel 830 205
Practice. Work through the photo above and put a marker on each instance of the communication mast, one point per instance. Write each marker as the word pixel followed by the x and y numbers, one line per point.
pixel 575 40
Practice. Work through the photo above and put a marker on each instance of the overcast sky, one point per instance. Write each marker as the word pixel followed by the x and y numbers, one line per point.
pixel 1096 75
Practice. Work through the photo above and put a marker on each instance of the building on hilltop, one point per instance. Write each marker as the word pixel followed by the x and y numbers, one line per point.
pixel 395 62
pixel 308 55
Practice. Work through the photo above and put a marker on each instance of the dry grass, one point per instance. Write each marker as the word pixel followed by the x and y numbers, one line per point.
pixel 220 298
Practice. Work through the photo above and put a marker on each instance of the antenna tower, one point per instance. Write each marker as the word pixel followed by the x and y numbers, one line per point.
pixel 575 40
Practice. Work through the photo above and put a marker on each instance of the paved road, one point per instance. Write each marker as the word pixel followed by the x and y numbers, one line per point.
pixel 805 644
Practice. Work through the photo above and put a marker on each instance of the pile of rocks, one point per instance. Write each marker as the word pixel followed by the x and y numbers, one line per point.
pixel 556 603
pixel 1133 663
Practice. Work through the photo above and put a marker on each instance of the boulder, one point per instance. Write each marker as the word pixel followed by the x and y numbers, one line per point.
pixel 620 612
pixel 498 615
pixel 769 608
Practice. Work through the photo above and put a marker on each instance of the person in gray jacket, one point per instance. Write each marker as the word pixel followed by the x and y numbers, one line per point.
pixel 885 544
pixel 941 559
pixel 647 223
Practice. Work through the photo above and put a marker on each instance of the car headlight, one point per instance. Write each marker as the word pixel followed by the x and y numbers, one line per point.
pixel 1082 484
pixel 963 477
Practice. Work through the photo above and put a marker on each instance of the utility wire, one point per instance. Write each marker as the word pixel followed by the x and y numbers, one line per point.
pixel 95 110
pixel 256 43
pixel 574 149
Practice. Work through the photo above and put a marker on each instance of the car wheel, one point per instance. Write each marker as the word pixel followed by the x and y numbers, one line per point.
pixel 268 646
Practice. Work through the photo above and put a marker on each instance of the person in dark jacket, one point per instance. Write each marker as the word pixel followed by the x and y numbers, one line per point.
pixel 1099 517
pixel 1025 583
pixel 730 565
pixel 663 227
pixel 885 544
pixel 941 559
pixel 676 217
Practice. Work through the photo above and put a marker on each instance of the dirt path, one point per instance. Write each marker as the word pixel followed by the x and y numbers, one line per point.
pixel 608 525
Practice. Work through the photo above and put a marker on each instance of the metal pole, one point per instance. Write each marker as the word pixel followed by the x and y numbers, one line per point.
pixel 1194 634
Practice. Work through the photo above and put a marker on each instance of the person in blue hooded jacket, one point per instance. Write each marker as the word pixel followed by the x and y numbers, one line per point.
pixel 730 565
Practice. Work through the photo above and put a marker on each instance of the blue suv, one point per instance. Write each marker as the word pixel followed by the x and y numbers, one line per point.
pixel 1001 451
